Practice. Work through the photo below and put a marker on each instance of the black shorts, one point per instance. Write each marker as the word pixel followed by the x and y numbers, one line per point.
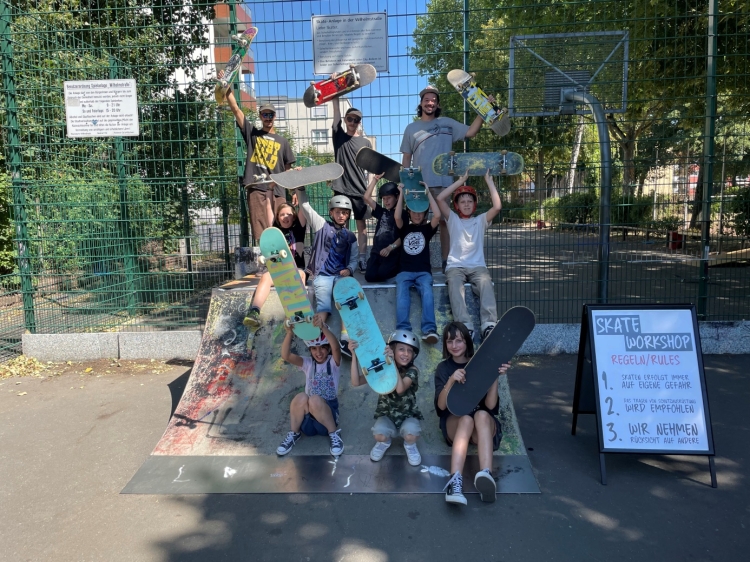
pixel 358 204
pixel 495 438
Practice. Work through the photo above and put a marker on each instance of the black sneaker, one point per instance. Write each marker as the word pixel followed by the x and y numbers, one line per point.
pixel 454 489
pixel 288 442
pixel 485 485
pixel 362 266
pixel 486 331
pixel 252 320
pixel 344 345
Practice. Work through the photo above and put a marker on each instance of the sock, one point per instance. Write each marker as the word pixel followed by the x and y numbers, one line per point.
pixel 255 308
pixel 344 335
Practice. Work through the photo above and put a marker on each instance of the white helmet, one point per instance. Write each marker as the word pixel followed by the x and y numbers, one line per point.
pixel 317 342
pixel 407 337
pixel 340 202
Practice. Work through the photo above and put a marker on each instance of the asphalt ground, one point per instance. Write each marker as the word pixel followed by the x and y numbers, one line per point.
pixel 72 442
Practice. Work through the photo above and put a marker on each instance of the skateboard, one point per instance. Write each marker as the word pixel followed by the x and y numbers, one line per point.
pixel 415 194
pixel 278 259
pixel 501 163
pixel 234 63
pixel 292 179
pixel 351 79
pixel 356 314
pixel 496 118
pixel 481 371
pixel 376 163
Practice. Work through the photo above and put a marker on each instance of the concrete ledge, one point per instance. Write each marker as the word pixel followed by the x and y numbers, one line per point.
pixel 160 345
pixel 65 347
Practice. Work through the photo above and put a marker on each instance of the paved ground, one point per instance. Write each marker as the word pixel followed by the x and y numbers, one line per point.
pixel 67 451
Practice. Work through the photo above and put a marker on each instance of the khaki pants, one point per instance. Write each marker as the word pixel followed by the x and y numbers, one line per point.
pixel 481 285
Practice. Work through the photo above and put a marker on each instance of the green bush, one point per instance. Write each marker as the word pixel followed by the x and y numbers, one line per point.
pixel 578 208
pixel 6 226
pixel 740 206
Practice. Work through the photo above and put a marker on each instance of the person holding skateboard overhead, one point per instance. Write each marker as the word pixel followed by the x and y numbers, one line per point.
pixel 383 261
pixel 267 153
pixel 481 427
pixel 416 270
pixel 347 141
pixel 334 252
pixel 429 136
pixel 466 257
pixel 293 227
pixel 316 410
pixel 396 413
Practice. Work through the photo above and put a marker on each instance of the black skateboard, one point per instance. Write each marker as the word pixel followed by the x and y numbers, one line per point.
pixel 481 370
pixel 376 163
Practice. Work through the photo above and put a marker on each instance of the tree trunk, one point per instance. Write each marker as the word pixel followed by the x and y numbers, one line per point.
pixel 627 149
pixel 575 153
pixel 698 202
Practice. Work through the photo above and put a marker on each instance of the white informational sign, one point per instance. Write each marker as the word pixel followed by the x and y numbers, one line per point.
pixel 339 41
pixel 101 108
pixel 650 391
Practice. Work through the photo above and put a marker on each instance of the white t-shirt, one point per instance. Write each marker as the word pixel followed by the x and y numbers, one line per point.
pixel 318 381
pixel 467 241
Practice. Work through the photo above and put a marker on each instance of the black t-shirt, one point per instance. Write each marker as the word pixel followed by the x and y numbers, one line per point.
pixel 294 234
pixel 443 372
pixel 386 232
pixel 415 247
pixel 267 153
pixel 352 182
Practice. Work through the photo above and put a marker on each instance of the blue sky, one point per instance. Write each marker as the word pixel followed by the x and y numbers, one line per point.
pixel 284 63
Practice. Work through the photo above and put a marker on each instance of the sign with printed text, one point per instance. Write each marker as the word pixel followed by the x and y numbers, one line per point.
pixel 340 41
pixel 648 372
pixel 101 108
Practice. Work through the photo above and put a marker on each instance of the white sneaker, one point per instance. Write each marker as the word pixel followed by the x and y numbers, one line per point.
pixel 379 450
pixel 485 485
pixel 412 454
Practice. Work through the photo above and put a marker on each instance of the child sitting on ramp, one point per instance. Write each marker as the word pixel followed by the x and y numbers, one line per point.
pixel 316 410
pixel 383 261
pixel 396 413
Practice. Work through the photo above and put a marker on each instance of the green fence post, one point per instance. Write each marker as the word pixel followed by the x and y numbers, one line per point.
pixel 14 164
pixel 709 130
pixel 239 142
pixel 124 222
pixel 184 192
pixel 466 66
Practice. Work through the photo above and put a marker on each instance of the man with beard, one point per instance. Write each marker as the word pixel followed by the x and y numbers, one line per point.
pixel 429 136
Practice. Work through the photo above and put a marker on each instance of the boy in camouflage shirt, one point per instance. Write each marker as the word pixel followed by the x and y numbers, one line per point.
pixel 396 413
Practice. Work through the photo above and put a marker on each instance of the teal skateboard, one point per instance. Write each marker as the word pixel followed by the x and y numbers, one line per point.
pixel 279 260
pixel 356 314
pixel 415 194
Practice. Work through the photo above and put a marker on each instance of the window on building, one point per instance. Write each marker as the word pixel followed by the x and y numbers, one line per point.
pixel 319 112
pixel 319 136
pixel 280 112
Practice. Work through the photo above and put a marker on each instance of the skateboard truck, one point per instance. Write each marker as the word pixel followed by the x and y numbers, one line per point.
pixel 350 302
pixel 503 161
pixel 297 319
pixel 376 365
pixel 452 168
pixel 276 256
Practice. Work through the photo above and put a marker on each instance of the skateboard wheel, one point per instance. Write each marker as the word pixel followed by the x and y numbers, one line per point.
pixel 312 83
pixel 287 322
pixel 361 295
pixel 262 260
pixel 308 319
pixel 338 305
pixel 365 372
pixel 283 254
pixel 388 359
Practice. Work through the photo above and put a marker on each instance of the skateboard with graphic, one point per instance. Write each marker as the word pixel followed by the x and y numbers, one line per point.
pixel 501 163
pixel 235 62
pixel 415 194
pixel 279 260
pixel 499 347
pixel 496 118
pixel 351 79
pixel 356 315
pixel 376 163
pixel 292 179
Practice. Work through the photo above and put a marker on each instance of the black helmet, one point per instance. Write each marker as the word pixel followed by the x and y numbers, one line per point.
pixel 388 188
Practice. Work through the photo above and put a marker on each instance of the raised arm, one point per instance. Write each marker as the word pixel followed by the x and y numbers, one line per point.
pixel 309 214
pixel 286 349
pixel 497 205
pixel 442 198
pixel 399 211
pixel 435 208
pixel 335 348
pixel 357 378
pixel 336 108
pixel 236 111
pixel 369 196
pixel 475 127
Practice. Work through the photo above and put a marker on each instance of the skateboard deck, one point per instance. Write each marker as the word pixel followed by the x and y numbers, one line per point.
pixel 292 294
pixel 292 179
pixel 234 63
pixel 351 79
pixel 376 163
pixel 481 370
pixel 415 194
pixel 501 163
pixel 496 118
pixel 356 314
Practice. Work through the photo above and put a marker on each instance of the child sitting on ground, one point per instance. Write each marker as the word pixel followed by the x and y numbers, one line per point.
pixel 481 427
pixel 396 413
pixel 416 270
pixel 316 410
pixel 466 254
pixel 383 261
pixel 334 252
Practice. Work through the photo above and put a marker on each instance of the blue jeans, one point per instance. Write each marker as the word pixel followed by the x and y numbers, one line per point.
pixel 323 285
pixel 422 280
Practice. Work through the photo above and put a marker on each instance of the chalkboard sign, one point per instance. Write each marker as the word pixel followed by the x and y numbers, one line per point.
pixel 640 370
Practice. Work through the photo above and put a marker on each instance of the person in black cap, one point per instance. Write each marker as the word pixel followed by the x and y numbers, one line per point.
pixel 347 141
pixel 267 153
pixel 429 136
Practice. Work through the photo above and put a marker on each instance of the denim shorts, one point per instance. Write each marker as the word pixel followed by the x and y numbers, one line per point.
pixel 310 426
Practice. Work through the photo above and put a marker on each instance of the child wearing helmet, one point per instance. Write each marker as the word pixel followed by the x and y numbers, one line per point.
pixel 334 252
pixel 396 413
pixel 316 410
pixel 466 256
pixel 383 261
